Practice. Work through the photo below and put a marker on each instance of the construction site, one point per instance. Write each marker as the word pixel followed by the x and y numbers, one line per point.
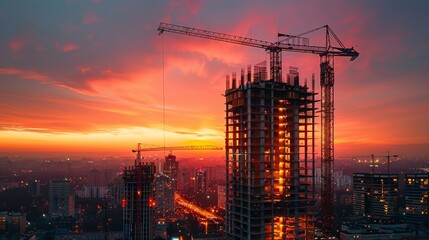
pixel 270 141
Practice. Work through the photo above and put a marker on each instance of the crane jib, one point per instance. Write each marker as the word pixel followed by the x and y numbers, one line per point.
pixel 268 46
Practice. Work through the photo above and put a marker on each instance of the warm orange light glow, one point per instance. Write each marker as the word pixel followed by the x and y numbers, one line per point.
pixel 152 202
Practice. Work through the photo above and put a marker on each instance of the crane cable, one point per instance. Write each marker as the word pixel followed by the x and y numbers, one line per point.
pixel 163 88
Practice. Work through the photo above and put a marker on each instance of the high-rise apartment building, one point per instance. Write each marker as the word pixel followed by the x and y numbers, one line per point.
pixel 361 194
pixel 184 179
pixel 34 188
pixel 221 196
pixel 269 158
pixel 417 198
pixel 201 181
pixel 61 199
pixel 115 192
pixel 12 224
pixel 139 203
pixel 375 196
pixel 164 196
pixel 171 168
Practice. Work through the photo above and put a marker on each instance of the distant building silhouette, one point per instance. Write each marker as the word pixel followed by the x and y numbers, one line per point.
pixel 164 195
pixel 61 199
pixel 184 179
pixel 93 192
pixel 34 188
pixel 417 198
pixel 201 181
pixel 373 231
pixel 221 196
pixel 375 196
pixel 12 223
pixel 171 168
pixel 115 191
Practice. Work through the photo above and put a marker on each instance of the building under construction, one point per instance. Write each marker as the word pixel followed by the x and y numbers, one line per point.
pixel 138 203
pixel 270 147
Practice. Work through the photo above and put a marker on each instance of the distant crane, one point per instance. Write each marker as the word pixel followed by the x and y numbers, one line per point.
pixel 373 162
pixel 388 156
pixel 137 162
pixel 176 148
pixel 326 54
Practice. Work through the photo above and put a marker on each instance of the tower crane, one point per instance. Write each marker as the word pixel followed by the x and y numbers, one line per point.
pixel 373 161
pixel 176 148
pixel 184 148
pixel 388 156
pixel 137 162
pixel 172 148
pixel 326 54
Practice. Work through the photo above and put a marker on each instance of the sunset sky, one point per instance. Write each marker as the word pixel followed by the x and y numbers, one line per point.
pixel 87 76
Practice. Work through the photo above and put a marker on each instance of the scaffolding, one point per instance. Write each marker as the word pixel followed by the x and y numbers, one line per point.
pixel 270 149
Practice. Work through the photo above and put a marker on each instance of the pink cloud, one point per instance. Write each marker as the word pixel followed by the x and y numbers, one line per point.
pixel 193 6
pixel 23 74
pixel 18 43
pixel 67 47
pixel 90 18
pixel 70 47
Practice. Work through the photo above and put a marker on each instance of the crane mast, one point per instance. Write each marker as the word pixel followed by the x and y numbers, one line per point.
pixel 327 141
pixel 275 50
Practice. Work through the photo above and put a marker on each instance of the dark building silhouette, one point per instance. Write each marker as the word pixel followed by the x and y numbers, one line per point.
pixel 61 199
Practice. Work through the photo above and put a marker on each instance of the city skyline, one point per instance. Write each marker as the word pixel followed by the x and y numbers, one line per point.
pixel 87 77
